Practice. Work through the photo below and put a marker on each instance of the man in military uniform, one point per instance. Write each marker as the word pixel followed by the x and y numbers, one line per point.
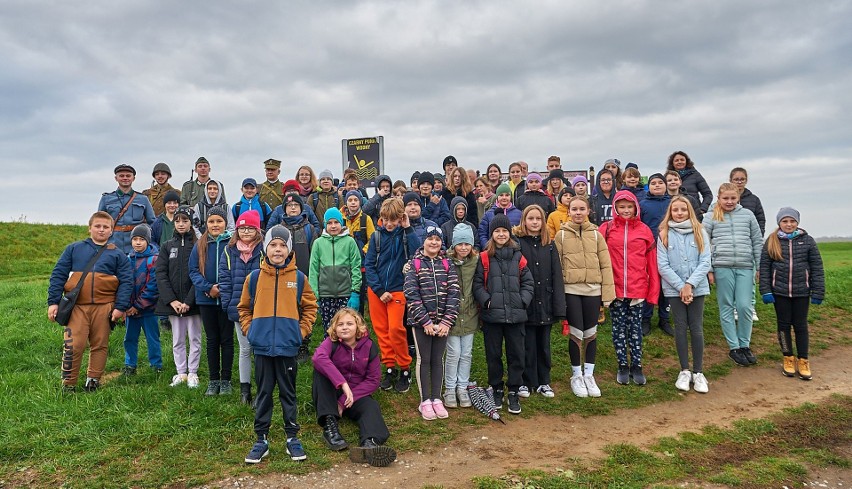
pixel 193 190
pixel 272 190
pixel 126 206
pixel 162 173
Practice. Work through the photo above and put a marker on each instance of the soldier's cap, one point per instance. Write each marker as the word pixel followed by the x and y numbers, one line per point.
pixel 125 167
pixel 201 159
pixel 270 163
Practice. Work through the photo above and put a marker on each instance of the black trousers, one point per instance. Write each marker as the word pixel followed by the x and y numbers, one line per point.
pixel 537 360
pixel 269 372
pixel 792 312
pixel 364 411
pixel 582 314
pixel 220 341
pixel 513 334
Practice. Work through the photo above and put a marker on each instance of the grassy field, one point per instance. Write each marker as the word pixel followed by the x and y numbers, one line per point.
pixel 140 432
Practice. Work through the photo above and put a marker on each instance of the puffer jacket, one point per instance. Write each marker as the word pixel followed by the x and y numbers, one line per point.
pixel 799 273
pixel 144 295
pixel 204 282
pixel 275 320
pixel 586 264
pixel 557 218
pixel 513 213
pixel 173 281
pixel 752 203
pixel 535 198
pixel 735 242
pixel 467 321
pixel 349 365
pixel 504 299
pixel 232 276
pixel 654 210
pixel 386 255
pixel 432 292
pixel 680 262
pixel 693 183
pixel 633 252
pixel 548 303
pixel 110 280
pixel 335 269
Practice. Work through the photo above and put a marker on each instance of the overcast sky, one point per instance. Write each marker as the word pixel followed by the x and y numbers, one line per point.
pixel 86 85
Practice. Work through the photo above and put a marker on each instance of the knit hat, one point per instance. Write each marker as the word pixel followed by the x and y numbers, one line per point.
pixel 556 173
pixel 426 177
pixel 249 218
pixel 415 176
pixel 579 178
pixel 124 167
pixel 290 185
pixel 433 231
pixel 184 210
pixel 566 190
pixel 332 213
pixel 786 212
pixel 201 159
pixel 503 188
pixel 326 174
pixel 439 178
pixel 614 161
pixel 293 198
pixel 350 193
pixel 249 181
pixel 218 210
pixel 144 231
pixel 278 232
pixel 171 196
pixel 410 197
pixel 631 165
pixel 533 177
pixel 462 233
pixel 657 175
pixel 500 220
pixel 449 159
pixel 162 167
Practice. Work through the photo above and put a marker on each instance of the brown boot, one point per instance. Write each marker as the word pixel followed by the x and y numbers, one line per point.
pixel 804 369
pixel 789 366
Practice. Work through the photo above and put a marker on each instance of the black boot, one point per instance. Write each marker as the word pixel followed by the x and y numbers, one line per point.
pixel 304 353
pixel 331 434
pixel 646 326
pixel 245 393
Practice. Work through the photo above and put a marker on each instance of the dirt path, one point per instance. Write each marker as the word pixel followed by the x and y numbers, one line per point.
pixel 745 393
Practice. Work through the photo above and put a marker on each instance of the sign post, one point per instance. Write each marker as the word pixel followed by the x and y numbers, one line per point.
pixel 366 156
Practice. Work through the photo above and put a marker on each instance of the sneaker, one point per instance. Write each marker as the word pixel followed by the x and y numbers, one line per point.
pixel 683 380
pixel 592 386
pixel 295 449
pixel 212 388
pixel 514 403
pixel 602 315
pixel 225 388
pixel 737 356
pixel 545 390
pixel 92 385
pixel 646 326
pixel 388 379
pixel 427 410
pixel 450 399
pixel 403 383
pixel 804 369
pixel 463 397
pixel 372 453
pixel 623 375
pixel 665 326
pixel 128 371
pixel 637 375
pixel 178 380
pixel 192 381
pixel 524 391
pixel 789 368
pixel 259 450
pixel 439 409
pixel 498 398
pixel 749 356
pixel 699 383
pixel 578 386
pixel 754 317
pixel 302 356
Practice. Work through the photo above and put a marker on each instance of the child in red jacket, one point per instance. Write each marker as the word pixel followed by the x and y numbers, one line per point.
pixel 633 252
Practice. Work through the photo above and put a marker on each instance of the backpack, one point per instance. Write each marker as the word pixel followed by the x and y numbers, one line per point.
pixel 315 200
pixel 378 237
pixel 252 286
pixel 486 265
pixel 361 234
pixel 443 261
pixel 264 216
pixel 374 349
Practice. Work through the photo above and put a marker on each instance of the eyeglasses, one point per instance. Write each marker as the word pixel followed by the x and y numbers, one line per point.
pixel 738 180
pixel 247 230
pixel 605 181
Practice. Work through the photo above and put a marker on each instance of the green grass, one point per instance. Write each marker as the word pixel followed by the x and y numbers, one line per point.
pixel 143 433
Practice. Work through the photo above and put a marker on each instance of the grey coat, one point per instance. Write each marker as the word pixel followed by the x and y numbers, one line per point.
pixel 735 242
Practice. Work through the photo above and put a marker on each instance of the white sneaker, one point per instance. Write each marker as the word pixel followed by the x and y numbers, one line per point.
pixel 523 391
pixel 192 381
pixel 699 383
pixel 178 379
pixel 592 386
pixel 754 317
pixel 545 390
pixel 578 386
pixel 683 379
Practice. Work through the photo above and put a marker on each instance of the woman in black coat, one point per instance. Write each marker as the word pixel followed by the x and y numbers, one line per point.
pixel 692 182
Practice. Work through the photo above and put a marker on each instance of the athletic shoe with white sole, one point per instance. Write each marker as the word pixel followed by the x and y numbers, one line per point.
pixel 524 391
pixel 683 380
pixel 592 386
pixel 578 386
pixel 545 390
pixel 259 450
pixel 178 380
pixel 699 383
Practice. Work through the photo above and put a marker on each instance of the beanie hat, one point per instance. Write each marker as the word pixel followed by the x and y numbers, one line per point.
pixel 410 197
pixel 426 177
pixel 171 196
pixel 350 193
pixel 433 231
pixel 449 159
pixel 249 218
pixel 278 232
pixel 614 161
pixel 500 220
pixel 415 176
pixel 533 176
pixel 556 173
pixel 162 167
pixel 332 213
pixel 503 188
pixel 290 185
pixel 439 178
pixel 184 210
pixel 144 231
pixel 326 174
pixel 787 212
pixel 631 165
pixel 566 190
pixel 462 233
pixel 657 175
pixel 218 210
pixel 293 198
pixel 578 179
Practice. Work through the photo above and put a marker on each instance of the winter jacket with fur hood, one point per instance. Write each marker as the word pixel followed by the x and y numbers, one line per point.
pixel 799 273
pixel 586 264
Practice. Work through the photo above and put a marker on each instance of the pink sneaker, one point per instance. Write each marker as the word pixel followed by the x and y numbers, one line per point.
pixel 427 411
pixel 440 410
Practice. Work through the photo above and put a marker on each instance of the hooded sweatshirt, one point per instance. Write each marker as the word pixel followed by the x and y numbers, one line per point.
pixel 202 209
pixel 447 227
pixel 653 210
pixel 601 205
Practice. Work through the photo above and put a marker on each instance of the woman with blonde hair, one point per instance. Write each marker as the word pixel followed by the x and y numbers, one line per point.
pixel 458 185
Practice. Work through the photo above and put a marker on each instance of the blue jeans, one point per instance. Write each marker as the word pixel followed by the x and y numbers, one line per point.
pixel 735 291
pixel 152 337
pixel 457 362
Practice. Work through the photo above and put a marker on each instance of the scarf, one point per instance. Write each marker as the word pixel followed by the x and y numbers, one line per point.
pixel 686 171
pixel 305 191
pixel 683 227
pixel 793 235
pixel 245 250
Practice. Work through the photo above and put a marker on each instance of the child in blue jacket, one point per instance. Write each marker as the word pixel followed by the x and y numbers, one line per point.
pixel 143 300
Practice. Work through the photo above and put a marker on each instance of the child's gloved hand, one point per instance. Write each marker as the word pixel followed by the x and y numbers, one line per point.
pixel 768 299
pixel 354 301
pixel 816 301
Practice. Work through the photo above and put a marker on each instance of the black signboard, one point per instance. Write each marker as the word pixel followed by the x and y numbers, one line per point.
pixel 366 156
